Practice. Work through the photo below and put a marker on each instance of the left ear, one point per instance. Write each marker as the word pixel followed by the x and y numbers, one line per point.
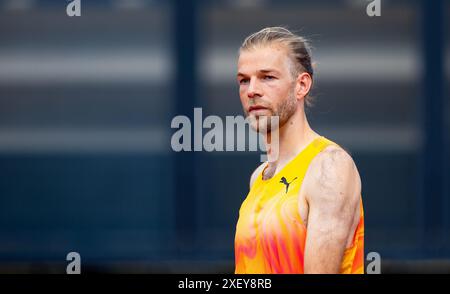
pixel 303 85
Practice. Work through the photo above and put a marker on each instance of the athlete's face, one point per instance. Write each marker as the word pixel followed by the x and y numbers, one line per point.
pixel 266 85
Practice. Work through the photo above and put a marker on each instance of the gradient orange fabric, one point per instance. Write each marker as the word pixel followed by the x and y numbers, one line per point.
pixel 270 234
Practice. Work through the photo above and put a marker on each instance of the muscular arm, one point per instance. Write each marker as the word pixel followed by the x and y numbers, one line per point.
pixel 333 194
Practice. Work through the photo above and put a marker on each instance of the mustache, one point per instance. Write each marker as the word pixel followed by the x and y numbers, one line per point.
pixel 260 103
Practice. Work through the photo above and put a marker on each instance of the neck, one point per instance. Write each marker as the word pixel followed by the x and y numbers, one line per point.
pixel 293 136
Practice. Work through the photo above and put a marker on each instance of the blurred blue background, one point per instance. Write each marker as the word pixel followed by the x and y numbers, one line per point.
pixel 86 104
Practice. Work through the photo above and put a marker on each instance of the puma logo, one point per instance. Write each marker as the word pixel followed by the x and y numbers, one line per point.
pixel 284 181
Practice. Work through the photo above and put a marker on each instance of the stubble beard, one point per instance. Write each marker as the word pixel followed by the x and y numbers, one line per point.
pixel 277 118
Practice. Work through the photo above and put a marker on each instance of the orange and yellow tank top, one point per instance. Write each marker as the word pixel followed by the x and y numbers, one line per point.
pixel 270 234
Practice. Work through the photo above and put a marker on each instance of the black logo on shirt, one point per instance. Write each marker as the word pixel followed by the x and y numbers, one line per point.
pixel 284 181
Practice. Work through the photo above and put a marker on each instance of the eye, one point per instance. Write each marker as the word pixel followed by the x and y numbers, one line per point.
pixel 243 81
pixel 269 78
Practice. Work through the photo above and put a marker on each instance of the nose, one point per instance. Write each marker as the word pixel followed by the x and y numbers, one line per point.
pixel 253 89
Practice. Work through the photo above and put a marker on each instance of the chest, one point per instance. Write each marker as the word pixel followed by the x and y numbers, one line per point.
pixel 274 208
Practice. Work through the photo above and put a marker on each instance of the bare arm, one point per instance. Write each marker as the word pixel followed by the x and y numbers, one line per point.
pixel 333 195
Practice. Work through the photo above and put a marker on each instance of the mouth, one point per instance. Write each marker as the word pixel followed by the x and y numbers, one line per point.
pixel 255 108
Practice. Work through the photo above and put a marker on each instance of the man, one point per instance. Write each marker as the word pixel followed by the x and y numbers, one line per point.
pixel 304 211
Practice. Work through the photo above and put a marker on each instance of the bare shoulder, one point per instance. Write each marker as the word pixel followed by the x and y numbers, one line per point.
pixel 256 172
pixel 333 173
